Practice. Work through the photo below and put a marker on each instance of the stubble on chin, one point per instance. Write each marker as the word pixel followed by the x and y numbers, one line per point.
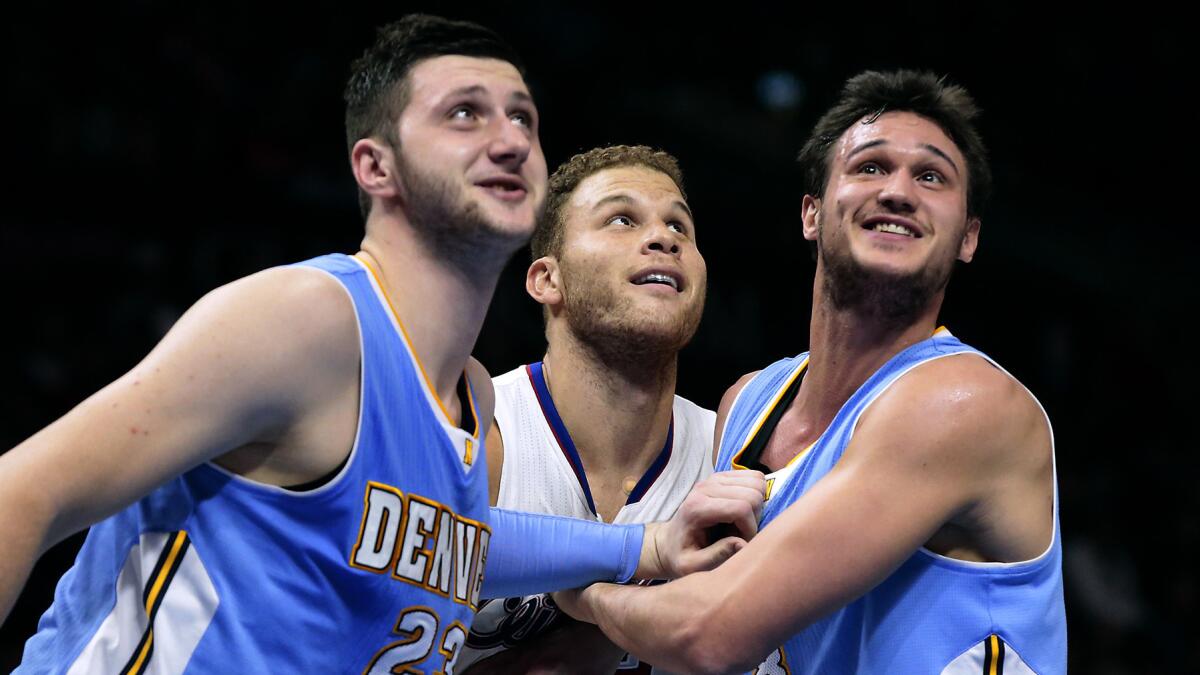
pixel 452 224
pixel 609 325
pixel 894 298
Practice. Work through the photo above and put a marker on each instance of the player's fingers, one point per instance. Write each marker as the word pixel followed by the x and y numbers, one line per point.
pixel 714 484
pixel 713 555
pixel 750 495
pixel 751 479
pixel 711 511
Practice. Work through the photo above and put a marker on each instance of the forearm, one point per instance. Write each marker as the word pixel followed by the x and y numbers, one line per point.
pixel 665 625
pixel 20 552
pixel 25 534
pixel 532 553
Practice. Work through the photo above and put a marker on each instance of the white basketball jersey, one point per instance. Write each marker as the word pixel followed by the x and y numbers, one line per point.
pixel 543 473
pixel 542 470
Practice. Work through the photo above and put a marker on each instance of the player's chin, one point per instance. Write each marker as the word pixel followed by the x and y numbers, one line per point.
pixel 666 333
pixel 512 225
pixel 890 264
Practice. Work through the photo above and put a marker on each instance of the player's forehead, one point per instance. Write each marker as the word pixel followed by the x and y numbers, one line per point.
pixel 898 132
pixel 634 185
pixel 432 80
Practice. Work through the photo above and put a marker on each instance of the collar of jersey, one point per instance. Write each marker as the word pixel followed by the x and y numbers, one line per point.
pixel 537 379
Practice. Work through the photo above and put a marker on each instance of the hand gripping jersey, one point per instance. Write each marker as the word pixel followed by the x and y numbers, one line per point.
pixel 543 473
pixel 932 615
pixel 377 569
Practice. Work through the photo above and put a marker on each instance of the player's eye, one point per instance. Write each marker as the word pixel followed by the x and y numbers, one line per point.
pixel 620 220
pixel 931 177
pixel 870 169
pixel 677 226
pixel 462 112
pixel 522 118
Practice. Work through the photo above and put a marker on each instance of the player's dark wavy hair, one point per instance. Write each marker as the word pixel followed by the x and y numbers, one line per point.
pixel 548 236
pixel 868 95
pixel 378 90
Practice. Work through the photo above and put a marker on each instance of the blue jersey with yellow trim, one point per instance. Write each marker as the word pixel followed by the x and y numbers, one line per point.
pixel 378 569
pixel 932 615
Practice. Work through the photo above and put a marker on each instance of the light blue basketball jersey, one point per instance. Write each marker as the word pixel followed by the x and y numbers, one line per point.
pixel 378 568
pixel 932 615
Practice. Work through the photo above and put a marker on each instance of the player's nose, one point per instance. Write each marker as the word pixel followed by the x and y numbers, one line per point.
pixel 510 143
pixel 661 238
pixel 899 192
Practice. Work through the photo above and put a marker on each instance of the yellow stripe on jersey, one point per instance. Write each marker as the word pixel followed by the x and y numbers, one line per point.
pixel 941 330
pixel 420 367
pixel 993 647
pixel 168 567
pixel 767 413
pixel 164 571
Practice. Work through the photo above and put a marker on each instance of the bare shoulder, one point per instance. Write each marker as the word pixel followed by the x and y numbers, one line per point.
pixel 965 408
pixel 242 366
pixel 732 392
pixel 727 400
pixel 307 305
pixel 482 389
pixel 485 405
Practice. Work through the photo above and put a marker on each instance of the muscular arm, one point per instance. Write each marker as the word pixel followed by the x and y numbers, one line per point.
pixel 238 370
pixel 901 479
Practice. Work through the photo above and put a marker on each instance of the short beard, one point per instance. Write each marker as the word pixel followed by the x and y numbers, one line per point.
pixel 895 300
pixel 603 322
pixel 452 227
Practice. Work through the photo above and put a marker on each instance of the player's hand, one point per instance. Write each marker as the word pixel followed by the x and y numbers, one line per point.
pixel 570 602
pixel 685 543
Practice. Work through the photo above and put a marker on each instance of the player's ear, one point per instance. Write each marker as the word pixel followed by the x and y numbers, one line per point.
pixel 810 207
pixel 966 250
pixel 543 281
pixel 373 164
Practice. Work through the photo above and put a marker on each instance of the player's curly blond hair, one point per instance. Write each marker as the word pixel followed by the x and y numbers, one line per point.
pixel 548 236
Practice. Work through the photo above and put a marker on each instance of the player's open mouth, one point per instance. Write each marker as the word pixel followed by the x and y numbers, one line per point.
pixel 659 278
pixel 891 225
pixel 504 187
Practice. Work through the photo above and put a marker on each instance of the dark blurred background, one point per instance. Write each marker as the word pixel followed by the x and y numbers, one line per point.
pixel 157 150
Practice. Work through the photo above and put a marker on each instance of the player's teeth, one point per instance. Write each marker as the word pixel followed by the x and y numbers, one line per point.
pixel 892 229
pixel 660 278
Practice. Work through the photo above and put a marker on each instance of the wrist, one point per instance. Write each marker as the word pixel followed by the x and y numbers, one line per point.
pixel 650 563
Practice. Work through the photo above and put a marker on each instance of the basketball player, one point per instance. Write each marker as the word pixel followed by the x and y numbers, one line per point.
pixel 911 523
pixel 293 479
pixel 595 430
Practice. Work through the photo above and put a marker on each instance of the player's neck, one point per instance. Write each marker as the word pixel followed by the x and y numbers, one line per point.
pixel 442 308
pixel 618 417
pixel 847 346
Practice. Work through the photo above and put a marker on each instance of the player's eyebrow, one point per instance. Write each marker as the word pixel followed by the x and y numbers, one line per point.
pixel 469 90
pixel 879 141
pixel 479 89
pixel 622 198
pixel 938 151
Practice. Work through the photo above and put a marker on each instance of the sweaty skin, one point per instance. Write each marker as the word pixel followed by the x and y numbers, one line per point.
pixel 262 375
pixel 613 342
pixel 955 456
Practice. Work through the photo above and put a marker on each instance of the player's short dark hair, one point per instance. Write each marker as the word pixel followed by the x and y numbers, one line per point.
pixel 548 235
pixel 377 91
pixel 870 94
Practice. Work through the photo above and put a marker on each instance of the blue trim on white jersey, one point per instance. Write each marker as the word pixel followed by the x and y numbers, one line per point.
pixel 537 378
